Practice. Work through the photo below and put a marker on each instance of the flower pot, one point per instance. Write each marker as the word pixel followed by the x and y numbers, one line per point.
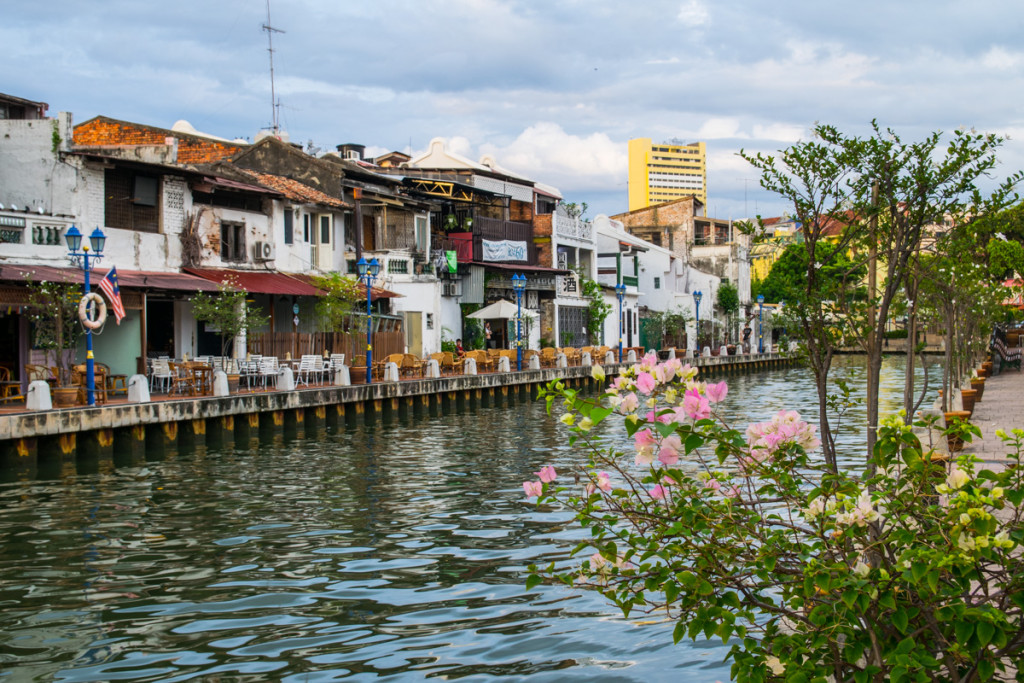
pixel 956 444
pixel 967 399
pixel 987 367
pixel 65 397
pixel 233 382
pixel 357 374
pixel 978 384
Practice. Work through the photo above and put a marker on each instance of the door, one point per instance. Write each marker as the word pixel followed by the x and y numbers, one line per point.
pixel 324 241
pixel 414 332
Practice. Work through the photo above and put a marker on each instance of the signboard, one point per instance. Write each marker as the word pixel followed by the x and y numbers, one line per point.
pixel 569 285
pixel 505 250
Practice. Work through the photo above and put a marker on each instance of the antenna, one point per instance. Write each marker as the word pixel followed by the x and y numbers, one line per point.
pixel 274 104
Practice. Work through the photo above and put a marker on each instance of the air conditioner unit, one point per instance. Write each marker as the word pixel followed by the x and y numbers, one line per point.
pixel 264 251
pixel 450 288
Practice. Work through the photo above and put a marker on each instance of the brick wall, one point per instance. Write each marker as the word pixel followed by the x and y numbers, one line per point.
pixel 542 239
pixel 675 217
pixel 103 132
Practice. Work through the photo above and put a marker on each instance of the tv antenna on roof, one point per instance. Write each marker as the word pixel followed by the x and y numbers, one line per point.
pixel 274 104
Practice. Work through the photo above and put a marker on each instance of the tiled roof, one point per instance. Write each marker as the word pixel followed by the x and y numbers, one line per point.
pixel 294 190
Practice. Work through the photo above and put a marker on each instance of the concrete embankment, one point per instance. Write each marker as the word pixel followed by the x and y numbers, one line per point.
pixel 162 424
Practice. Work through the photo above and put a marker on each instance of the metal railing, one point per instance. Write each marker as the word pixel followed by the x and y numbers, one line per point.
pixel 577 228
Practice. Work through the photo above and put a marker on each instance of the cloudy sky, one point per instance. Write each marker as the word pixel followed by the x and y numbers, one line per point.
pixel 553 88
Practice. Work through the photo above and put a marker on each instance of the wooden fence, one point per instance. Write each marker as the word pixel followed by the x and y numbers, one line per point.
pixel 298 344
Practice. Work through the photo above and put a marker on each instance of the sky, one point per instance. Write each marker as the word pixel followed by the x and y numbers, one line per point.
pixel 553 89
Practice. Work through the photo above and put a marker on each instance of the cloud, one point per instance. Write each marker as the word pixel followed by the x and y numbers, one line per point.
pixel 1001 59
pixel 693 13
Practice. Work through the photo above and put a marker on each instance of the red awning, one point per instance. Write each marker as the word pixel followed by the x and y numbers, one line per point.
pixel 258 282
pixel 376 293
pixel 131 279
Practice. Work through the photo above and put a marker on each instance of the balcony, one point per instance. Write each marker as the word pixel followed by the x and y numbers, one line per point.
pixel 469 246
pixel 24 230
pixel 573 228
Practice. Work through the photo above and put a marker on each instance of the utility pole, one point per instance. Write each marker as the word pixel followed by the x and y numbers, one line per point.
pixel 274 106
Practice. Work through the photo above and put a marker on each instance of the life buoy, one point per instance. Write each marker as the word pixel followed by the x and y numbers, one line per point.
pixel 100 310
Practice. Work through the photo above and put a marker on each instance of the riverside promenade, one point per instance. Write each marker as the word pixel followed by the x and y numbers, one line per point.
pixel 1001 407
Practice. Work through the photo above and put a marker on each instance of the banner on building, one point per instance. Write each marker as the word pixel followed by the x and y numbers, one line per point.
pixel 452 259
pixel 505 250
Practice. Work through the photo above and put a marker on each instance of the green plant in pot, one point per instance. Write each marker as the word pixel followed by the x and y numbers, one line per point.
pixel 53 312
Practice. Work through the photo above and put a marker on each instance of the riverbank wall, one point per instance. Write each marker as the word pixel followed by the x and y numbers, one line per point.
pixel 137 429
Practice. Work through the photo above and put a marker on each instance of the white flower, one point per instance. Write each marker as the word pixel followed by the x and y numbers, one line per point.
pixel 957 478
pixel 775 665
pixel 597 372
pixel 861 569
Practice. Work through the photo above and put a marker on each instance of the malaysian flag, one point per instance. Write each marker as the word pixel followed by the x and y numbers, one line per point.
pixel 109 286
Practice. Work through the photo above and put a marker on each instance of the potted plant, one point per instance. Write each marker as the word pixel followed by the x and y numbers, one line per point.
pixel 229 314
pixel 53 313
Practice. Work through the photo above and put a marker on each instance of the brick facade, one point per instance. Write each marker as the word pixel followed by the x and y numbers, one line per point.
pixel 668 225
pixel 192 149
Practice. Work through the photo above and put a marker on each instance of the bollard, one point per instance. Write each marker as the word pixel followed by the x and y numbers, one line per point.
pixel 138 389
pixel 631 356
pixel 609 357
pixel 220 383
pixel 534 363
pixel 38 397
pixel 723 351
pixel 706 353
pixel 469 366
pixel 689 354
pixel 285 379
pixel 391 372
pixel 503 364
pixel 341 377
pixel 586 360
pixel 561 361
pixel 433 369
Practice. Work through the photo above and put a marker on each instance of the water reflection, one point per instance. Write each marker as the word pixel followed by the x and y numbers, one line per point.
pixel 394 551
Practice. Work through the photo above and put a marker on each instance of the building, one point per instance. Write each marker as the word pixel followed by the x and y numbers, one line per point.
pixel 665 172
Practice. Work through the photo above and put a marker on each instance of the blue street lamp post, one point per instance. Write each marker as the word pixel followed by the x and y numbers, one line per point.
pixel 81 258
pixel 697 296
pixel 760 323
pixel 620 292
pixel 519 286
pixel 367 273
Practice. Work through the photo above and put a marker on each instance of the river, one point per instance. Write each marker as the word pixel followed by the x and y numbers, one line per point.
pixel 393 552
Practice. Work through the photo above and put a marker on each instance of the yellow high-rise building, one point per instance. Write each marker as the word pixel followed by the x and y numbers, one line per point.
pixel 666 172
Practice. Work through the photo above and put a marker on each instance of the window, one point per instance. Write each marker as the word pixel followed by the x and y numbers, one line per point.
pixel 289 228
pixel 657 281
pixel 305 228
pixel 232 241
pixel 422 234
pixel 325 229
pixel 430 321
pixel 131 200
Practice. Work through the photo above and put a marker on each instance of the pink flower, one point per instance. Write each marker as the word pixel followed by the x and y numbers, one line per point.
pixel 629 403
pixel 604 482
pixel 716 392
pixel 546 474
pixel 533 488
pixel 645 383
pixel 665 372
pixel 658 492
pixel 696 406
pixel 645 443
pixel 670 447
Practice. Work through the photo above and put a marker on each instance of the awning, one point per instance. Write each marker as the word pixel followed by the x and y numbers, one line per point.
pixel 131 279
pixel 376 293
pixel 258 282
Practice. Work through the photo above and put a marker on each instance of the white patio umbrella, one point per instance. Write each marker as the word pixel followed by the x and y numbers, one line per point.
pixel 499 309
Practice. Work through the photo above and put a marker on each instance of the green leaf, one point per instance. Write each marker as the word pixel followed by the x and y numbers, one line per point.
pixel 986 669
pixel 533 580
pixel 899 620
pixel 678 632
pixel 985 631
pixel 964 630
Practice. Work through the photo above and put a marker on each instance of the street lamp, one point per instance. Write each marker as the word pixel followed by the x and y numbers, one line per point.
pixel 367 273
pixel 697 296
pixel 760 323
pixel 519 286
pixel 620 292
pixel 78 254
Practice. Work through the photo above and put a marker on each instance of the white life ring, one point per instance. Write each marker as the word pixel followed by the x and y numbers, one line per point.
pixel 100 310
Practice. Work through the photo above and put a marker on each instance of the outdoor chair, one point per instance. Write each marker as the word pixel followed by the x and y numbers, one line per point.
pixel 411 366
pixel 161 372
pixel 79 376
pixel 547 357
pixel 115 383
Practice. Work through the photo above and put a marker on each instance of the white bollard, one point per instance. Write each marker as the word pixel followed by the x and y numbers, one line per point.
pixel 469 366
pixel 631 356
pixel 586 360
pixel 561 361
pixel 793 346
pixel 689 354
pixel 534 363
pixel 671 353
pixel 503 365
pixel 285 379
pixel 723 350
pixel 609 357
pixel 706 353
pixel 38 396
pixel 342 378
pixel 138 389
pixel 220 383
pixel 391 372
pixel 433 369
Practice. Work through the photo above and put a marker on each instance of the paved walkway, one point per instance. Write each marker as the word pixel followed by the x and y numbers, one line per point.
pixel 1001 407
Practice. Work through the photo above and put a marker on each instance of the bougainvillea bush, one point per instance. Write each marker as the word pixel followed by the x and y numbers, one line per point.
pixel 910 570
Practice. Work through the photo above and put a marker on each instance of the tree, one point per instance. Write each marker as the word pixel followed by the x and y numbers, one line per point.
pixel 873 198
pixel 728 301
pixel 335 307
pixel 597 308
pixel 228 313
pixel 53 311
